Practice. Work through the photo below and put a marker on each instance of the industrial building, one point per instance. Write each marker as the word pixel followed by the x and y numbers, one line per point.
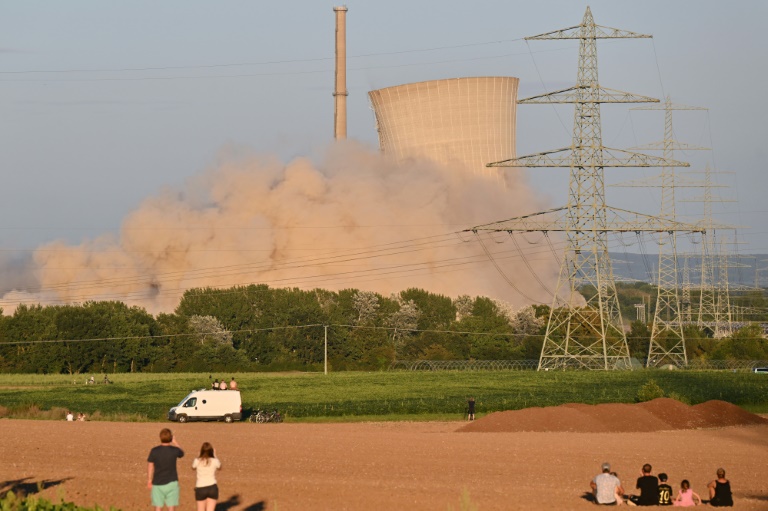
pixel 465 121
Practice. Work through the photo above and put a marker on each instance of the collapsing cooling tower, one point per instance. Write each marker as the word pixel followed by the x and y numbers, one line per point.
pixel 469 121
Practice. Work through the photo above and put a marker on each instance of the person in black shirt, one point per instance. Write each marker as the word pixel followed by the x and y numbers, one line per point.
pixel 471 409
pixel 649 488
pixel 665 491
pixel 720 491
pixel 162 477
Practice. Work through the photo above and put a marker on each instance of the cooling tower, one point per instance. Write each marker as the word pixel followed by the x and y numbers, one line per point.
pixel 469 121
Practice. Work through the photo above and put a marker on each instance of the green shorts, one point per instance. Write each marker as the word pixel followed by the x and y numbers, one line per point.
pixel 165 494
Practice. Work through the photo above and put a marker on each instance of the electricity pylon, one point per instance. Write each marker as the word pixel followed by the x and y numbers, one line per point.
pixel 585 328
pixel 667 343
pixel 711 285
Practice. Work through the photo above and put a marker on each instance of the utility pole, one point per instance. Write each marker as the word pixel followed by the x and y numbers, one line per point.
pixel 325 351
pixel 585 328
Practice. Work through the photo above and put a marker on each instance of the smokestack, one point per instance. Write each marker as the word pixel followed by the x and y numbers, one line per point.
pixel 340 91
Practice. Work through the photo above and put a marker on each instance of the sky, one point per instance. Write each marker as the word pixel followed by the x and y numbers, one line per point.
pixel 107 103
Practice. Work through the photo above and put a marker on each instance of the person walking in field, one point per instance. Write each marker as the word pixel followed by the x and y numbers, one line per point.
pixel 686 497
pixel 720 491
pixel 471 409
pixel 206 488
pixel 162 477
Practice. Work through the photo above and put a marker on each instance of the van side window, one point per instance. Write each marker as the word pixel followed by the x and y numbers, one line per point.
pixel 190 402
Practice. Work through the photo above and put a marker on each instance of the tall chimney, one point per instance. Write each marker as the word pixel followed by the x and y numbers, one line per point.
pixel 340 91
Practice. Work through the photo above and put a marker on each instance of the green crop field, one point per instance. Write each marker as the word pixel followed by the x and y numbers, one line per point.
pixel 353 396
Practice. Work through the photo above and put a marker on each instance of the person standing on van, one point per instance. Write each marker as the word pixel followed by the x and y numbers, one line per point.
pixel 206 489
pixel 162 477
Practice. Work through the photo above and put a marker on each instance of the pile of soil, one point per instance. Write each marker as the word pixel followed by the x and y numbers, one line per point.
pixel 658 415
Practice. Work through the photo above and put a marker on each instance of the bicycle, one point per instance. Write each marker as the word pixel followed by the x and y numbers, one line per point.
pixel 263 416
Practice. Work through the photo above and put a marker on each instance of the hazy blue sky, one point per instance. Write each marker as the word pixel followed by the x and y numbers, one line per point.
pixel 104 103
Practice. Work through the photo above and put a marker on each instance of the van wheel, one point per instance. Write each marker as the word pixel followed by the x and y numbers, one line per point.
pixel 182 418
pixel 228 418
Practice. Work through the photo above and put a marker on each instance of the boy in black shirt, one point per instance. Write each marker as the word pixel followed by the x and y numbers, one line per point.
pixel 665 491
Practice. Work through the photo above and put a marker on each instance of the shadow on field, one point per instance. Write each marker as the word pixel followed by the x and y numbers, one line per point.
pixel 259 506
pixel 234 500
pixel 26 486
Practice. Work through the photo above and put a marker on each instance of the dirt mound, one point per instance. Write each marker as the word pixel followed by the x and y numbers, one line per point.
pixel 657 415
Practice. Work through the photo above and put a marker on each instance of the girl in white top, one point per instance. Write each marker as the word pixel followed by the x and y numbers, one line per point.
pixel 206 489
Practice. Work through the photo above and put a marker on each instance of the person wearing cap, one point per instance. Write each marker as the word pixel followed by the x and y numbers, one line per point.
pixel 606 487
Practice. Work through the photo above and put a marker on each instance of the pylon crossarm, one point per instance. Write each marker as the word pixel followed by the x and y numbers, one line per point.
pixel 617 220
pixel 657 181
pixel 564 158
pixel 552 219
pixel 601 32
pixel 620 158
pixel 668 145
pixel 622 220
pixel 586 94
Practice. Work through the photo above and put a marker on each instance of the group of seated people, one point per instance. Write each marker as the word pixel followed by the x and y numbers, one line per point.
pixel 71 417
pixel 654 491
pixel 216 385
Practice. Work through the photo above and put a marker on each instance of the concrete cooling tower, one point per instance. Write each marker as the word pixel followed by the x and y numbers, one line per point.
pixel 469 121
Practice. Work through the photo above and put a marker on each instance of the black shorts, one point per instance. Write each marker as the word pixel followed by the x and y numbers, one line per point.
pixel 207 492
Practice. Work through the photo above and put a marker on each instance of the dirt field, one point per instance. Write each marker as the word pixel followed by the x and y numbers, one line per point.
pixel 373 466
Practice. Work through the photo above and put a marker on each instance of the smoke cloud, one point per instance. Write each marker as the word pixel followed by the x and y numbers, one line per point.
pixel 356 219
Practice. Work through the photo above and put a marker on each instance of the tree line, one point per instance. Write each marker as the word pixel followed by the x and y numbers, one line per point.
pixel 256 328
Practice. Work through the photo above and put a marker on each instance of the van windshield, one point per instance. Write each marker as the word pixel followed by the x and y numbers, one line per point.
pixel 185 398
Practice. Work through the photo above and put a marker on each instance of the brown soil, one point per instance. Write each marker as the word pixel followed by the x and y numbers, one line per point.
pixel 415 466
pixel 658 415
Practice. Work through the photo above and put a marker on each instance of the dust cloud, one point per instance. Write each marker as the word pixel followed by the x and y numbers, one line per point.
pixel 355 219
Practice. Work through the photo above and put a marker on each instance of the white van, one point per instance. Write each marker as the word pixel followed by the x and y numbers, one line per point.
pixel 208 405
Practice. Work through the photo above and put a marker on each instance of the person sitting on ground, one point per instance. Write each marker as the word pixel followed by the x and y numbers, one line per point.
pixel 649 488
pixel 215 384
pixel 720 491
pixel 92 380
pixel 70 416
pixel 619 497
pixel 606 487
pixel 233 384
pixel 686 497
pixel 665 491
pixel 223 385
pixel 81 417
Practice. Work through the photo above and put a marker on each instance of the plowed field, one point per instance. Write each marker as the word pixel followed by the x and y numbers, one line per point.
pixel 530 459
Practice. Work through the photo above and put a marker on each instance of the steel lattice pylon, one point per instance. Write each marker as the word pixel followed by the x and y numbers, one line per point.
pixel 667 343
pixel 585 328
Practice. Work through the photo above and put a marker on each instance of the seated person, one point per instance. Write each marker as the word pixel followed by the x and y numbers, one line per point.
pixel 223 385
pixel 606 487
pixel 649 488
pixel 233 384
pixel 720 491
pixel 665 491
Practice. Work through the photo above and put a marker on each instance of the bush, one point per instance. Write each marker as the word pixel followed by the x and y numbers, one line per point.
pixel 10 502
pixel 649 391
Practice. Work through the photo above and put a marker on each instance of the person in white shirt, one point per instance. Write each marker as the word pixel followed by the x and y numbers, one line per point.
pixel 206 489
pixel 70 416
